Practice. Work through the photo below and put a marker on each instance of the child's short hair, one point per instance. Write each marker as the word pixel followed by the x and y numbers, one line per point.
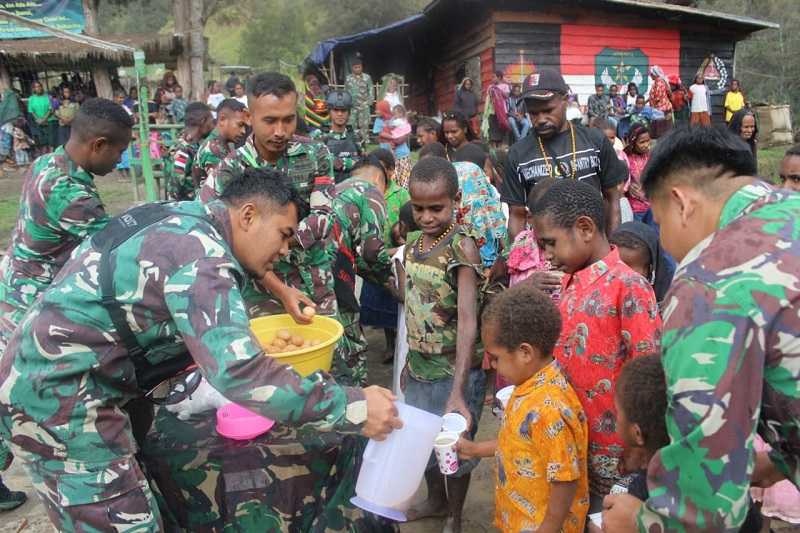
pixel 433 169
pixel 436 149
pixel 538 190
pixel 524 314
pixel 429 124
pixel 471 153
pixel 385 156
pixel 568 200
pixel 642 394
pixel 626 239
pixel 407 217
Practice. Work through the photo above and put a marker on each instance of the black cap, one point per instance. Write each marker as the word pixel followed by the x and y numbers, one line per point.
pixel 544 85
pixel 339 99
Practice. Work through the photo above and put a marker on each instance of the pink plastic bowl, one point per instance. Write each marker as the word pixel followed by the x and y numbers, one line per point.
pixel 236 422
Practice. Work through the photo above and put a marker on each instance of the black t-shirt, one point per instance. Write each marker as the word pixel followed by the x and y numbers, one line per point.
pixel 597 162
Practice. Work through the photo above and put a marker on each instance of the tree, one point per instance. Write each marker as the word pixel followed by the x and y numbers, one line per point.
pixel 102 79
pixel 767 63
pixel 278 36
pixel 345 17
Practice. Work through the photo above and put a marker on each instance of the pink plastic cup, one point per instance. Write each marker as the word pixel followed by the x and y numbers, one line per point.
pixel 237 423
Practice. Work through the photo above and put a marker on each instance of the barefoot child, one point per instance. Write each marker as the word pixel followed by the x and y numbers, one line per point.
pixel 443 373
pixel 542 482
pixel 609 315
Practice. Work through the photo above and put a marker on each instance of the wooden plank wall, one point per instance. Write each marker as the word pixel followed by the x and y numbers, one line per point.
pixel 695 47
pixel 477 40
pixel 537 44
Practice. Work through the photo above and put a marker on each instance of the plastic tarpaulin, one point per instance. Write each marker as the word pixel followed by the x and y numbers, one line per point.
pixel 323 48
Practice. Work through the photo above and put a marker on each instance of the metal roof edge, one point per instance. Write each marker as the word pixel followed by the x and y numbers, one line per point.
pixel 763 24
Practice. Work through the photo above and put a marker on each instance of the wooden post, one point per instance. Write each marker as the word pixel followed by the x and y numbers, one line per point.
pixel 333 69
pixel 5 76
pixel 180 14
pixel 197 49
pixel 102 80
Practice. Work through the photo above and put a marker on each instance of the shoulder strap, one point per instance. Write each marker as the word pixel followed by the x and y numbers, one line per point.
pixel 119 230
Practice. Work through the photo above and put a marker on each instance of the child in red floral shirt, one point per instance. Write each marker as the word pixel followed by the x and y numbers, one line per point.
pixel 609 314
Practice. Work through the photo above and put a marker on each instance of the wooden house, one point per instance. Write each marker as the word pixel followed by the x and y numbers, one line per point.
pixel 588 41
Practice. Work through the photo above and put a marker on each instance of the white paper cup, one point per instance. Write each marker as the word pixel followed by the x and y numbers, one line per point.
pixel 445 448
pixel 454 423
pixel 504 394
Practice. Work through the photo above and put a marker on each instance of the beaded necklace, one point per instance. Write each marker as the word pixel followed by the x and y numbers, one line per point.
pixel 551 167
pixel 438 239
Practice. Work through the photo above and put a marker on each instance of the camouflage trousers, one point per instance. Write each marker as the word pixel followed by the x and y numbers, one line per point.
pixel 359 120
pixel 287 480
pixel 99 497
pixel 311 273
pixel 350 361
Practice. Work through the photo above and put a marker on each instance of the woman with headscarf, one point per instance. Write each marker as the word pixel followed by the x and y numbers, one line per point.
pixel 640 249
pixel 316 113
pixel 660 99
pixel 743 124
pixel 466 102
pixel 481 209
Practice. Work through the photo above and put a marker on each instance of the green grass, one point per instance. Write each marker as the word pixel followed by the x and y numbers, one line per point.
pixel 117 194
pixel 769 160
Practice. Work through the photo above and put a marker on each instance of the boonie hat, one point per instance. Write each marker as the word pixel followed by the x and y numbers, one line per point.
pixel 339 99
pixel 544 85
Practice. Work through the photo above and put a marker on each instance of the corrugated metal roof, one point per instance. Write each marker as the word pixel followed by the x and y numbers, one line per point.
pixel 748 23
pixel 757 24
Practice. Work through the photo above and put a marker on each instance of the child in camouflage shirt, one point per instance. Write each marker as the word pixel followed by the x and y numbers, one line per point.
pixel 443 373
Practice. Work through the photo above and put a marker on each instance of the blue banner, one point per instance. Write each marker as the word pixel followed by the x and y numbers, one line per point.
pixel 65 15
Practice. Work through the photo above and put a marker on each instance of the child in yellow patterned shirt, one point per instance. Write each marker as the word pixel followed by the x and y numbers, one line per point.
pixel 541 450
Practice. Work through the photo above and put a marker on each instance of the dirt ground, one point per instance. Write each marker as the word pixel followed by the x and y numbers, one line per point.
pixel 117 194
pixel 479 509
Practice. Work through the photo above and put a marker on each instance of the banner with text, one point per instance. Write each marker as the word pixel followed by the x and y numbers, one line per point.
pixel 65 15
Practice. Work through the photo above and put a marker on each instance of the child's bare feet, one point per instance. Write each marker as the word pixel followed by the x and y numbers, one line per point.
pixel 427 509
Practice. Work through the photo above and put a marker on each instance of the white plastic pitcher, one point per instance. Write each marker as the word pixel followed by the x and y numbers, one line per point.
pixel 392 470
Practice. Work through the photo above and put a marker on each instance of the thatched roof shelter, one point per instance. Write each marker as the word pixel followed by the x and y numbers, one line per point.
pixel 56 54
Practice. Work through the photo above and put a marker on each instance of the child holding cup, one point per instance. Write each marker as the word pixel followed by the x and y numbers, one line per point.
pixel 541 450
pixel 443 271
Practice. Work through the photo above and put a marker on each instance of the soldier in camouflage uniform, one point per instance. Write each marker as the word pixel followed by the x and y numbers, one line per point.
pixel 730 346
pixel 339 137
pixel 159 281
pixel 230 131
pixel 59 207
pixel 358 250
pixel 305 276
pixel 182 182
pixel 359 85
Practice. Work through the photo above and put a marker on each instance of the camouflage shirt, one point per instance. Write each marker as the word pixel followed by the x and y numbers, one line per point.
pixel 310 169
pixel 59 207
pixel 360 88
pixel 210 153
pixel 730 351
pixel 431 303
pixel 66 373
pixel 357 248
pixel 181 183
pixel 345 150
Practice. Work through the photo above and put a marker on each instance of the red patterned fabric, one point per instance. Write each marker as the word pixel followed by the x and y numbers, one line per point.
pixel 609 315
